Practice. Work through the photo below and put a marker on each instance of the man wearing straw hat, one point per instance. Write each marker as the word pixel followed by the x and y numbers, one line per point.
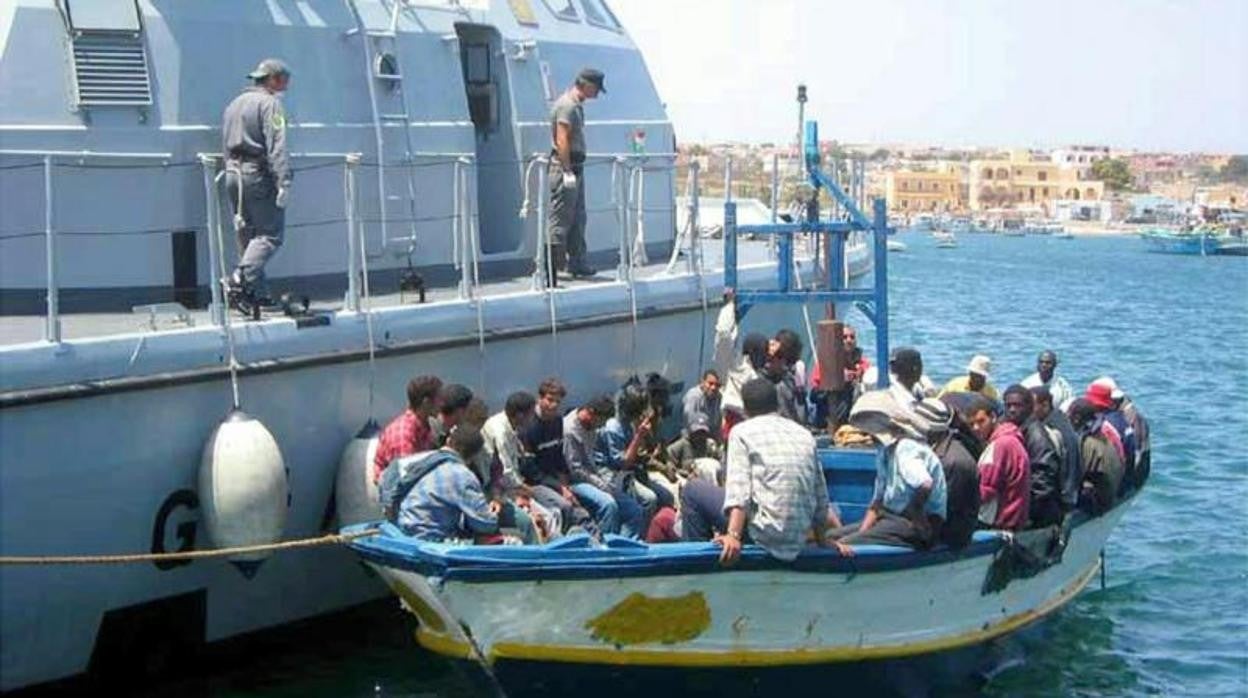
pixel 908 503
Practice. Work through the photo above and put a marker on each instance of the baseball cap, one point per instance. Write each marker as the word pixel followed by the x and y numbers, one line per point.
pixel 1115 392
pixel 980 364
pixel 1100 396
pixel 269 66
pixel 699 423
pixel 593 76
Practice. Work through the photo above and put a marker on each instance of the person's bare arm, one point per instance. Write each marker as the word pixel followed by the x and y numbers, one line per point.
pixel 563 145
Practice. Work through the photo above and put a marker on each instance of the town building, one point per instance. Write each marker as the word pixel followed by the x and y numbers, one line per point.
pixel 938 190
pixel 1024 181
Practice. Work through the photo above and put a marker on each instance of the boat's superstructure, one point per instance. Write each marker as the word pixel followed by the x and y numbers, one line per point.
pixel 418 128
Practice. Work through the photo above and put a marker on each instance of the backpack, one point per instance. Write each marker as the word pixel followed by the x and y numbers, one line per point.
pixel 402 474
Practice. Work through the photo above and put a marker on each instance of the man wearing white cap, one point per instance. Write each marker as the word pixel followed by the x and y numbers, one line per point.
pixel 978 372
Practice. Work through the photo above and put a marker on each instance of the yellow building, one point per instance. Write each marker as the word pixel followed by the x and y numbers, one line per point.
pixel 1022 182
pixel 916 191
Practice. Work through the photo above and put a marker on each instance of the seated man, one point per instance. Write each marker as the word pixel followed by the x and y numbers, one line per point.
pixel 775 490
pixel 409 431
pixel 906 380
pixel 952 443
pixel 620 446
pixel 785 369
pixel 1109 399
pixel 598 488
pixel 702 400
pixel 446 501
pixel 453 402
pixel 543 467
pixel 908 502
pixel 832 405
pixel 696 455
pixel 975 381
pixel 1045 508
pixel 1102 468
pixel 502 444
pixel 1004 470
pixel 1066 441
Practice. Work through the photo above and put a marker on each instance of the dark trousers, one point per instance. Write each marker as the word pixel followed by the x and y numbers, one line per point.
pixel 701 510
pixel 568 216
pixel 551 499
pixel 889 529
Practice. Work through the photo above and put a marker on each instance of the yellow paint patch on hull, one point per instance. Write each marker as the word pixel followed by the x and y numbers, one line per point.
pixel 640 619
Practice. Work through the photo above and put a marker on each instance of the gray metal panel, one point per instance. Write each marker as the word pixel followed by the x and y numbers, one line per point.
pixel 111 69
pixel 103 15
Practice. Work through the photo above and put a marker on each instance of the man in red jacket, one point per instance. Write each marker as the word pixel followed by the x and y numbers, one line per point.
pixel 1004 470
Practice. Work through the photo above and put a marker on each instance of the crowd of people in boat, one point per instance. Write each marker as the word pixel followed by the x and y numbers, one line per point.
pixel 745 467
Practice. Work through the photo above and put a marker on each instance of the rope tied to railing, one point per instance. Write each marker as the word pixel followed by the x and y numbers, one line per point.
pixel 329 539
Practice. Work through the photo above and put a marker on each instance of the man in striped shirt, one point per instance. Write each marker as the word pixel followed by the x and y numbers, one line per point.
pixel 448 501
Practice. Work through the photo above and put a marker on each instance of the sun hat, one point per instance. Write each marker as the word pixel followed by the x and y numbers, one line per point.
pixel 980 364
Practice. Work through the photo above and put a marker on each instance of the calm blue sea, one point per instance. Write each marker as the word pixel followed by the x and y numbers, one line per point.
pixel 1173 331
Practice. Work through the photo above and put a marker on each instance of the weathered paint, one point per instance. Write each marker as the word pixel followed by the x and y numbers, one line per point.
pixel 639 619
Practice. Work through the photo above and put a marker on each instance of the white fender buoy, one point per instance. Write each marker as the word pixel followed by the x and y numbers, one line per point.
pixel 355 493
pixel 242 488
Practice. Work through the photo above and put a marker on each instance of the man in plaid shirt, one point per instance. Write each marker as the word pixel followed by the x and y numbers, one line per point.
pixel 409 431
pixel 774 482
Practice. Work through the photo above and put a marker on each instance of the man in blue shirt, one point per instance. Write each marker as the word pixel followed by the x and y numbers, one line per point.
pixel 447 502
pixel 621 447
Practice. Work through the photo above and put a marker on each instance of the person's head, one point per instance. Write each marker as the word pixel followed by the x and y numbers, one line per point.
pixel 632 403
pixel 589 82
pixel 755 348
pixel 1041 402
pixel 710 383
pixel 453 401
pixel 1115 393
pixel 788 347
pixel 273 74
pixel 978 371
pixel 596 412
pixel 699 431
pixel 1100 396
pixel 849 338
pixel 982 421
pixel 1046 364
pixel 907 364
pixel 1082 415
pixel 465 440
pixel 422 394
pixel 877 413
pixel 1017 401
pixel 519 408
pixel 759 397
pixel 935 419
pixel 477 413
pixel 550 395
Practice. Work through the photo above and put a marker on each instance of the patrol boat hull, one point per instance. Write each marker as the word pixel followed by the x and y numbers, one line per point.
pixel 628 605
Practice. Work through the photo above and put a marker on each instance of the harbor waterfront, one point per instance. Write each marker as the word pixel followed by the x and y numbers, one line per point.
pixel 1170 620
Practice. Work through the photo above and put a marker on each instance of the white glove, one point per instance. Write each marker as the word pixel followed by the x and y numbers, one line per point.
pixel 283 193
pixel 569 180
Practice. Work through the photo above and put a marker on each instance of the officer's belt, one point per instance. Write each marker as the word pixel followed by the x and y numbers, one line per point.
pixel 254 158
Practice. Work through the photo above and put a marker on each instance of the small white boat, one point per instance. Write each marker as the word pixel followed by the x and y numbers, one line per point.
pixel 945 240
pixel 896 246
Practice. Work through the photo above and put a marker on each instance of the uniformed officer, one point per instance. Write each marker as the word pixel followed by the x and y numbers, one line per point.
pixel 253 134
pixel 567 166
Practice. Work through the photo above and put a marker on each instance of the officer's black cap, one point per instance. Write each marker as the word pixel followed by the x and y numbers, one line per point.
pixel 594 77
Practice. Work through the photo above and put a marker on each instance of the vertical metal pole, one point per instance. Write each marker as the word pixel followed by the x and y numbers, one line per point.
pixel 730 245
pixel 212 209
pixel 728 179
pixel 52 330
pixel 353 247
pixel 775 186
pixel 695 240
pixel 880 238
pixel 623 187
pixel 784 266
pixel 541 274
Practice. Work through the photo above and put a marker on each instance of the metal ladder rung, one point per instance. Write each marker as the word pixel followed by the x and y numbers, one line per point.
pixel 393 117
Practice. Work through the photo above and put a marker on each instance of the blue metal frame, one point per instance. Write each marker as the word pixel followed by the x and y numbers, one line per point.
pixel 872 302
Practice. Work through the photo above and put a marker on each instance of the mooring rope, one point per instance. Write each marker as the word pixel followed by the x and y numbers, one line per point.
pixel 331 539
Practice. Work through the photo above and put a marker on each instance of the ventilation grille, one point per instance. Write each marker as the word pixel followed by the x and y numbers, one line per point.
pixel 110 69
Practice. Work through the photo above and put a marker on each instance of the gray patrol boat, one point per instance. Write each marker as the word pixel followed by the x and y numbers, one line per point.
pixel 419 131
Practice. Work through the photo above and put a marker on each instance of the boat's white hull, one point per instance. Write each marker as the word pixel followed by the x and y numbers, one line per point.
pixel 748 618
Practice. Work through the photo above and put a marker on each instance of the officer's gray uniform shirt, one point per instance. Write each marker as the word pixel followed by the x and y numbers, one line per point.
pixel 567 205
pixel 253 136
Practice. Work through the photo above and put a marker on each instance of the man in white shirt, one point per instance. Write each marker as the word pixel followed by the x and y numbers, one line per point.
pixel 1046 375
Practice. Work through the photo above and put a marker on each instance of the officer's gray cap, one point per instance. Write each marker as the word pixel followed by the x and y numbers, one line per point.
pixel 269 66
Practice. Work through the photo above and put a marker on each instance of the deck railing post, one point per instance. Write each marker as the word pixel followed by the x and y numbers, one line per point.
pixel 52 330
pixel 880 240
pixel 212 210
pixel 353 247
pixel 728 179
pixel 695 240
pixel 622 177
pixel 730 245
pixel 541 269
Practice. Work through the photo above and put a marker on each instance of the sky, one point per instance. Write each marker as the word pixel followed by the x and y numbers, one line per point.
pixel 1145 74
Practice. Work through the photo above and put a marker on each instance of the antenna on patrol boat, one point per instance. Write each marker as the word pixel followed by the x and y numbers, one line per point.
pixel 801 128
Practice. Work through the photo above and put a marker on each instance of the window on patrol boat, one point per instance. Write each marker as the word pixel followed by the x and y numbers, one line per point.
pixel 563 9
